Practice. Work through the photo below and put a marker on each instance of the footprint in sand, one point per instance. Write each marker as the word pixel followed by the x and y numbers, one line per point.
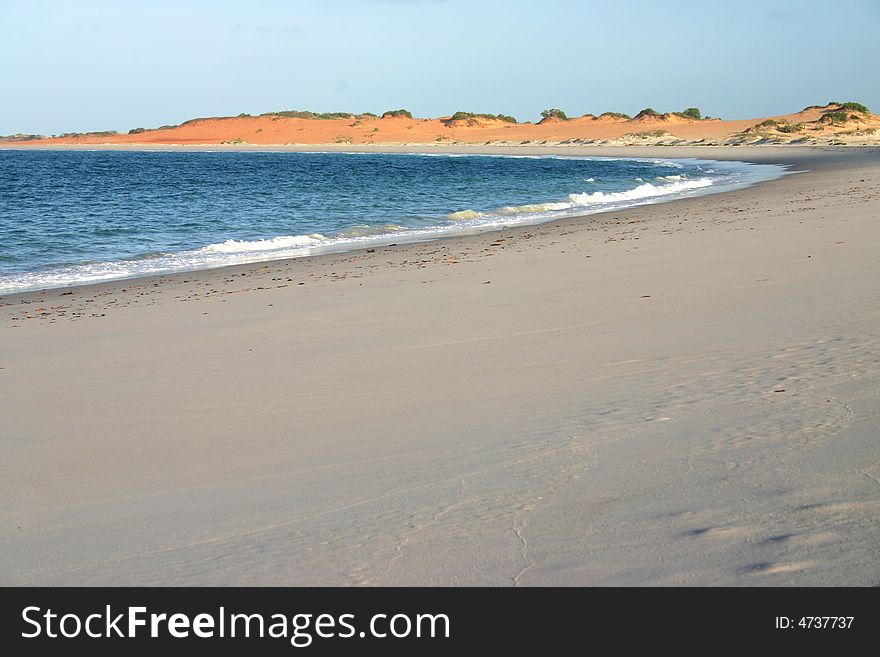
pixel 802 539
pixel 770 568
pixel 718 533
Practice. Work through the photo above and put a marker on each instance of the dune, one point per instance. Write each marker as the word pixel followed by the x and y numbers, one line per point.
pixel 809 126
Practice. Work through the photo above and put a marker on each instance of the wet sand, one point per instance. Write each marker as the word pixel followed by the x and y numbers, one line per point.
pixel 681 393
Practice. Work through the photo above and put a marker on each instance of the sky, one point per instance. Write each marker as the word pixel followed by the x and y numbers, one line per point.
pixel 101 65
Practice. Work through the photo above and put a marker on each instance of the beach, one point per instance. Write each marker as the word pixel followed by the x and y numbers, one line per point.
pixel 682 393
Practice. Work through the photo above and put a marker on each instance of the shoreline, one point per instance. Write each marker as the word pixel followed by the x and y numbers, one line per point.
pixel 681 393
pixel 332 244
pixel 788 157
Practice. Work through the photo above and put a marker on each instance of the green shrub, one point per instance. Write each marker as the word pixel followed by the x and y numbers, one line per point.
pixel 648 111
pixel 136 131
pixel 614 115
pixel 20 137
pixel 554 113
pixel 203 118
pixel 102 133
pixel 463 116
pixel 790 127
pixel 244 115
pixel 834 117
pixel 395 114
pixel 367 115
pixel 692 113
pixel 305 114
pixel 855 107
pixel 647 134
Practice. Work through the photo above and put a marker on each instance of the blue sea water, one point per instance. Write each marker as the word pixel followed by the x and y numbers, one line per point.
pixel 72 217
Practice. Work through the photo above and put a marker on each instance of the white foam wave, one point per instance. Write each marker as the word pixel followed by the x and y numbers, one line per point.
pixel 272 244
pixel 463 215
pixel 646 190
pixel 365 230
pixel 588 200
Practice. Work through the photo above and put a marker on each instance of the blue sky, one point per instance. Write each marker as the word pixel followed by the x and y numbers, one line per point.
pixel 96 65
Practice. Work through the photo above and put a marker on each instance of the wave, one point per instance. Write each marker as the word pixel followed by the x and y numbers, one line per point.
pixel 271 244
pixel 365 230
pixel 287 242
pixel 589 199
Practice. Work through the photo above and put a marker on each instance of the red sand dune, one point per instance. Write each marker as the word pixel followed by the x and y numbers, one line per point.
pixel 276 130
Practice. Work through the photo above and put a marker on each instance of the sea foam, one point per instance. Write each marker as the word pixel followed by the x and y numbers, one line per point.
pixel 271 244
pixel 587 200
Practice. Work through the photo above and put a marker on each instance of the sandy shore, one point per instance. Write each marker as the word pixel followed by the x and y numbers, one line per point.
pixel 683 393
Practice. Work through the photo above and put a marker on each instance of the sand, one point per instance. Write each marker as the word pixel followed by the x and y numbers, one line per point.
pixel 677 394
pixel 804 127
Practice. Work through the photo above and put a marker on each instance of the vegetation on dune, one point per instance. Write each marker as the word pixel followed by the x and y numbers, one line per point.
pixel 73 135
pixel 647 134
pixel 136 131
pixel 837 116
pixel 305 114
pixel 691 113
pixel 854 107
pixel 790 127
pixel 199 119
pixel 396 114
pixel 648 112
pixel 612 115
pixel 780 125
pixel 470 116
pixel 20 137
pixel 554 113
pixel 368 115
pixel 849 106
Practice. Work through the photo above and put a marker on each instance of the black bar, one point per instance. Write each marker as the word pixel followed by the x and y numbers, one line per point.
pixel 520 620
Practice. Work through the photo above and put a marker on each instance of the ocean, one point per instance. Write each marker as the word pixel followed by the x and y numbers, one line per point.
pixel 74 217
